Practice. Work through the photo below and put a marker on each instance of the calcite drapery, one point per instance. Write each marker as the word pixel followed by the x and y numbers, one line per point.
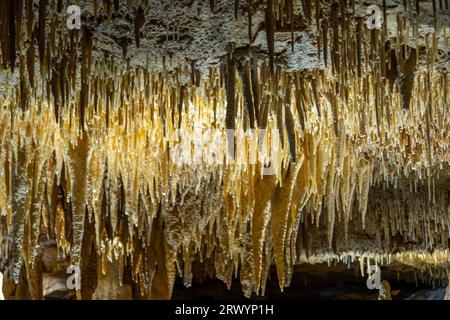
pixel 87 151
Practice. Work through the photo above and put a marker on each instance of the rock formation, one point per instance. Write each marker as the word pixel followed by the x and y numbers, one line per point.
pixel 187 139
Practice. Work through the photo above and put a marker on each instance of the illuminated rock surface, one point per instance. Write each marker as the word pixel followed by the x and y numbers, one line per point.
pixel 114 151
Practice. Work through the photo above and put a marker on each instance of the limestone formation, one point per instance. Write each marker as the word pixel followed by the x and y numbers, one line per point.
pixel 115 142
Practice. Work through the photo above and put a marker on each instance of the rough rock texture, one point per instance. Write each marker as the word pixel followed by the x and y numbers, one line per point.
pixel 185 31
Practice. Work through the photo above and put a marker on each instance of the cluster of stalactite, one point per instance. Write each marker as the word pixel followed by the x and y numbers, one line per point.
pixel 87 157
pixel 423 263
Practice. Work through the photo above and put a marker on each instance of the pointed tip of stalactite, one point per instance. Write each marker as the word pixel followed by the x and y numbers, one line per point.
pixel 16 267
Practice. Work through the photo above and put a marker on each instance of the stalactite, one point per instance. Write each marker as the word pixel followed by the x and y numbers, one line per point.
pixel 270 33
pixel 86 45
pixel 244 72
pixel 335 50
pixel 291 18
pixel 139 22
pixel 38 183
pixel 280 119
pixel 30 62
pixel 290 125
pixel 4 27
pixel 434 14
pixel 19 190
pixel 88 262
pixel 41 34
pixel 107 6
pixel 18 22
pixel 325 41
pixel 307 9
pixel 255 89
pixel 250 20
pixel 78 161
pixel 230 96
pixel 86 154
pixel 392 69
pixel 212 5
pixel 11 9
pixel 280 207
pixel 22 291
pixel 23 84
pixel 406 80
